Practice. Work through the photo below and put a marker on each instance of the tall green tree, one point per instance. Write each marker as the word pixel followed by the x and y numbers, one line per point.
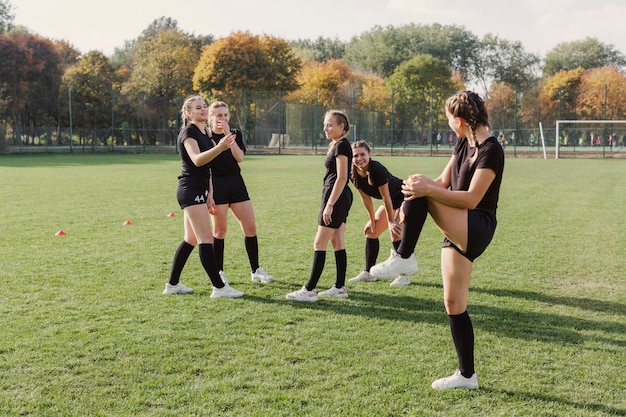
pixel 91 83
pixel 421 86
pixel 587 53
pixel 382 49
pixel 504 61
pixel 163 67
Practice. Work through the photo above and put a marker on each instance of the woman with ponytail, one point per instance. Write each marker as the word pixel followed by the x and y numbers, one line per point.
pixel 333 214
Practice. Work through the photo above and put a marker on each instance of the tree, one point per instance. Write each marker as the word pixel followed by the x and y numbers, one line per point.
pixel 381 50
pixel 373 93
pixel 559 95
pixel 6 16
pixel 587 53
pixel 320 82
pixel 243 61
pixel 163 67
pixel 602 89
pixel 501 106
pixel 319 50
pixel 30 76
pixel 503 61
pixel 91 83
pixel 421 85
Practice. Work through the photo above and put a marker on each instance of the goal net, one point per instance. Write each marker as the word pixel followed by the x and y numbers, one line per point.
pixel 590 135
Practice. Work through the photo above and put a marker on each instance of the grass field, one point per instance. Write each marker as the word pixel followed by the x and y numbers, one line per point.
pixel 86 331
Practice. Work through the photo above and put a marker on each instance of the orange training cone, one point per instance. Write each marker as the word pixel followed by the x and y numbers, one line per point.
pixel 171 214
pixel 127 223
pixel 60 233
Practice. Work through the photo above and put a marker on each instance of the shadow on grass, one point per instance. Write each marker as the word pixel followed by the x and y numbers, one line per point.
pixel 508 322
pixel 550 399
pixel 582 303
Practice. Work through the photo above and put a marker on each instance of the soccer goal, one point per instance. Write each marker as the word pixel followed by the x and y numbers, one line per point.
pixel 591 133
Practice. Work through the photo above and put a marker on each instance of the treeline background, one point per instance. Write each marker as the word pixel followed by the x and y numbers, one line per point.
pixel 392 81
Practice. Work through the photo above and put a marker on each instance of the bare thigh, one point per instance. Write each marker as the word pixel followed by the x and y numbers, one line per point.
pixel 197 220
pixel 451 221
pixel 244 213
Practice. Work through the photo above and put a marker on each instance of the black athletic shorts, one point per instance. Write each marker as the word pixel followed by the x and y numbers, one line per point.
pixel 481 227
pixel 340 209
pixel 189 193
pixel 229 189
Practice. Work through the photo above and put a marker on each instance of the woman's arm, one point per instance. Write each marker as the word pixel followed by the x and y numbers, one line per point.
pixel 340 183
pixel 367 203
pixel 420 186
pixel 342 179
pixel 384 192
pixel 202 158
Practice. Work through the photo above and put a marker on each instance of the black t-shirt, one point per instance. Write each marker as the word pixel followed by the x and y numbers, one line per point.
pixel 380 176
pixel 490 155
pixel 225 163
pixel 189 169
pixel 341 148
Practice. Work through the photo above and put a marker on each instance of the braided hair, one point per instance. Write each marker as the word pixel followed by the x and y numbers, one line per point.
pixel 468 106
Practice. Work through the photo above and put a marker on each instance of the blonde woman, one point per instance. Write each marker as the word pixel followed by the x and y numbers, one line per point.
pixel 194 195
pixel 229 191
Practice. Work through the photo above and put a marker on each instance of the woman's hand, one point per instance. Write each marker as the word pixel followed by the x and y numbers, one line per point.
pixel 227 141
pixel 327 214
pixel 417 185
pixel 210 204
pixel 369 228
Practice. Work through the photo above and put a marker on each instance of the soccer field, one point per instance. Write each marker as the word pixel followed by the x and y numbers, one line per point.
pixel 87 332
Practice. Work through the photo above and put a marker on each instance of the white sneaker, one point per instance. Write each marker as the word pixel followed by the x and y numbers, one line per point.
pixel 364 276
pixel 226 292
pixel 177 289
pixel 395 265
pixel 261 276
pixel 334 292
pixel 400 281
pixel 456 380
pixel 224 279
pixel 302 295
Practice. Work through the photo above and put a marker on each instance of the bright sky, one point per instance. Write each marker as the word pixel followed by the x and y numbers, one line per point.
pixel 539 24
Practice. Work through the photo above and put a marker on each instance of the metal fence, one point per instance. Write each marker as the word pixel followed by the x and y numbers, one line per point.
pixel 272 124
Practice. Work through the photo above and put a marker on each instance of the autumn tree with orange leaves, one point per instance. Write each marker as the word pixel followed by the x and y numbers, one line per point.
pixel 243 61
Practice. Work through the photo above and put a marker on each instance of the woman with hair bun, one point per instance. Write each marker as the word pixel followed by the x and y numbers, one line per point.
pixel 462 201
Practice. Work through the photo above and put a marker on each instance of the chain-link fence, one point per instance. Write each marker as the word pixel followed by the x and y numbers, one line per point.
pixel 273 124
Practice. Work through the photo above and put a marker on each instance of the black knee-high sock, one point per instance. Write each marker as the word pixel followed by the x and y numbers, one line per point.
pixel 252 247
pixel 415 212
pixel 372 247
pixel 218 249
pixel 463 337
pixel 396 244
pixel 319 259
pixel 180 259
pixel 207 258
pixel 341 260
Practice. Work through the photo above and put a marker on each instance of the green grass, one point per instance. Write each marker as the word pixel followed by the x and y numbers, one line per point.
pixel 86 331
